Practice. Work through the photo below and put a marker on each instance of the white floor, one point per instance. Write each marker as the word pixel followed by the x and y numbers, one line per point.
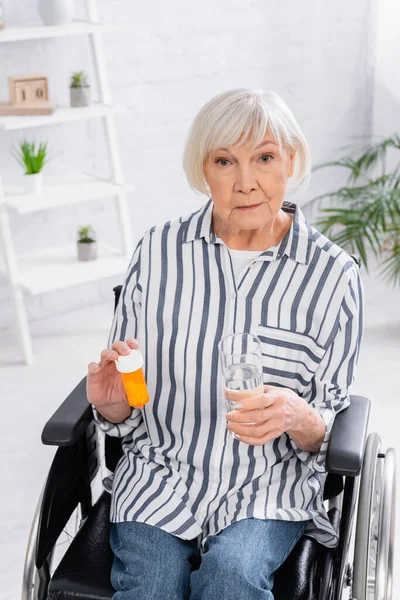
pixel 64 346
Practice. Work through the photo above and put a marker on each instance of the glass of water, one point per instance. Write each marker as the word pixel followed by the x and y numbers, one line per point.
pixel 240 358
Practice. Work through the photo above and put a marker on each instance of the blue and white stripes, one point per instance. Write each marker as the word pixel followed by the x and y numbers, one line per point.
pixel 181 470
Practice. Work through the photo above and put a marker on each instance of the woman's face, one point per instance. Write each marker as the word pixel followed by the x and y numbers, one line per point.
pixel 239 176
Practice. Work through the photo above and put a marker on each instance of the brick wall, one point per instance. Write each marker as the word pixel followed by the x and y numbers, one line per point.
pixel 170 59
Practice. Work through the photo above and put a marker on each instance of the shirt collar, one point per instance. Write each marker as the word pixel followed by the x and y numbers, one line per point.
pixel 296 244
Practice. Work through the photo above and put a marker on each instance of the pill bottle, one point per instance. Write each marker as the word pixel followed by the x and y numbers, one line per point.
pixel 131 368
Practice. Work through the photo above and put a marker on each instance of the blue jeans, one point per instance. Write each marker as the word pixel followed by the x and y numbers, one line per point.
pixel 237 564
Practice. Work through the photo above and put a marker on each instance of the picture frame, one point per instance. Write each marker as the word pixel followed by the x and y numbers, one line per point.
pixel 2 22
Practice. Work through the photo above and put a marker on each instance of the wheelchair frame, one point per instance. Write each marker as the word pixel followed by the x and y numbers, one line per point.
pixel 369 485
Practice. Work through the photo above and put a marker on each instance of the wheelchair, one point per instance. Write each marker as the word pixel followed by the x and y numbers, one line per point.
pixel 359 495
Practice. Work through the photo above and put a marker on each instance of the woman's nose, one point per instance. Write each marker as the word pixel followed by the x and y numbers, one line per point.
pixel 245 181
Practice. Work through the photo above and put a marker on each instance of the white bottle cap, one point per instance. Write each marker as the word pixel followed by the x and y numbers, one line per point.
pixel 126 363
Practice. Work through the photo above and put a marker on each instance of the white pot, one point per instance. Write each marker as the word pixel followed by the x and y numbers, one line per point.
pixel 80 96
pixel 87 251
pixel 34 183
pixel 56 12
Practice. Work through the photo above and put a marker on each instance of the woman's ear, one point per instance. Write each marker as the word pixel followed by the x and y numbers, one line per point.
pixel 292 158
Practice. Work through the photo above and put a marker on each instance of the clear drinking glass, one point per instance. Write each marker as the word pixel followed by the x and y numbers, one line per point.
pixel 240 358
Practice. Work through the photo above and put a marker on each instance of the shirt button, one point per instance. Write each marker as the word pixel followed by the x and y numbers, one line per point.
pixel 233 295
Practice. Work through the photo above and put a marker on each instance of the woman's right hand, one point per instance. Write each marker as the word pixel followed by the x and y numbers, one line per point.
pixel 104 384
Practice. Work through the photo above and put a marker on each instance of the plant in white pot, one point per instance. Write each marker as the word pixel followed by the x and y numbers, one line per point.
pixel 87 245
pixel 32 158
pixel 79 89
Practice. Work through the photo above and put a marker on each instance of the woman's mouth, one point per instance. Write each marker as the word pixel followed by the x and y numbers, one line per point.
pixel 250 207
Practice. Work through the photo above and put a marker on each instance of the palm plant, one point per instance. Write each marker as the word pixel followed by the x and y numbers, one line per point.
pixel 31 158
pixel 366 215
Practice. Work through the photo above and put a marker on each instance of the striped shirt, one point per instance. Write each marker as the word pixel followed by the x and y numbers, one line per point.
pixel 241 259
pixel 181 469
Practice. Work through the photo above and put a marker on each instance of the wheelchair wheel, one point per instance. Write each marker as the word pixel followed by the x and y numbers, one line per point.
pixel 386 536
pixel 29 573
pixel 374 535
pixel 34 586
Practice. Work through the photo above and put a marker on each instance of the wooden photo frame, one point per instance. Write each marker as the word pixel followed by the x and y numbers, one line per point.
pixel 2 23
pixel 28 89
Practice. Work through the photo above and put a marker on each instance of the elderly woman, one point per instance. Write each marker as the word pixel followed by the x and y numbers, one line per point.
pixel 195 511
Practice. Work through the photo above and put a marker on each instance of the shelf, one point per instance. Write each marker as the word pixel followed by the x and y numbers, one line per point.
pixel 60 115
pixel 58 268
pixel 38 30
pixel 74 189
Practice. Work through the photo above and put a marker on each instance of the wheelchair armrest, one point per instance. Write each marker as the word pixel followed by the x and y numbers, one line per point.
pixel 349 432
pixel 70 420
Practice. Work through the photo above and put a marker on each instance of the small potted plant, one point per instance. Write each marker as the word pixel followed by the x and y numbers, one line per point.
pixel 32 158
pixel 79 89
pixel 87 245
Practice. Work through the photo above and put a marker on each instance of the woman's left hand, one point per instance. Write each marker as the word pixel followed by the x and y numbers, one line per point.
pixel 276 411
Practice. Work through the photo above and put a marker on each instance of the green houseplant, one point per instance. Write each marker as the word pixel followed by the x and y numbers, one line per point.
pixel 365 217
pixel 32 158
pixel 87 245
pixel 79 89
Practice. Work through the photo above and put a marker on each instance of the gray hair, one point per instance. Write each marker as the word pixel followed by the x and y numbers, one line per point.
pixel 224 119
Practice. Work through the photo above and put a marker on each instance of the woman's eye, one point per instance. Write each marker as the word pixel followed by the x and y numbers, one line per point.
pixel 219 159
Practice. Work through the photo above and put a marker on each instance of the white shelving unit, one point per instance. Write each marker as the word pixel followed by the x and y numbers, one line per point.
pixel 61 191
pixel 58 268
pixel 60 115
pixel 37 31
pixel 55 268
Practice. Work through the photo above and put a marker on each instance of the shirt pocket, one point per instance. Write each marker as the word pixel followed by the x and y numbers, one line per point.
pixel 289 358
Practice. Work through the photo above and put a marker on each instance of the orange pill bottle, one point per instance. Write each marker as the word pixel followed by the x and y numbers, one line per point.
pixel 131 368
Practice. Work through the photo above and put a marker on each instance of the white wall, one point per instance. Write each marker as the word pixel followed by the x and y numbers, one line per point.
pixel 175 57
pixel 386 108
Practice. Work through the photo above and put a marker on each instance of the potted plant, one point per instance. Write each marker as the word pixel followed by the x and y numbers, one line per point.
pixel 32 158
pixel 87 245
pixel 366 214
pixel 79 89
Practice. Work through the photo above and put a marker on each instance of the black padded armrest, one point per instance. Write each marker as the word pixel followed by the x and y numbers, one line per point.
pixel 349 432
pixel 70 420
